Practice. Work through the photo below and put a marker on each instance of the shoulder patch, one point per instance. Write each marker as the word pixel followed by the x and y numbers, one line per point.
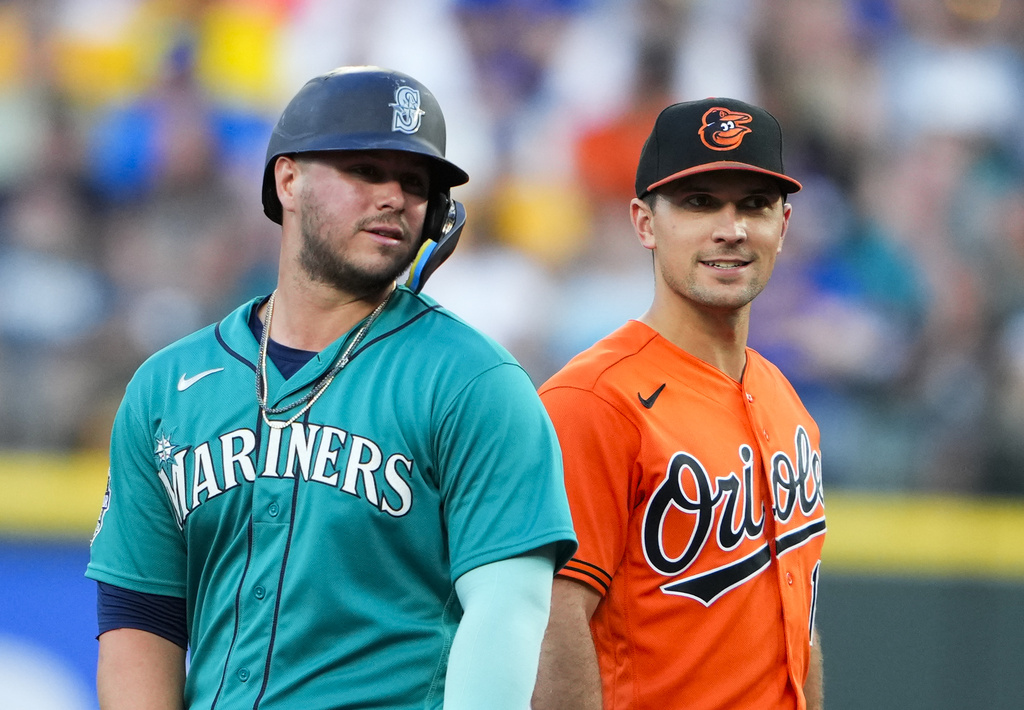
pixel 103 510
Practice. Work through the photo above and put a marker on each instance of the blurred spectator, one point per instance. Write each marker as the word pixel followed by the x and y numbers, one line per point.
pixel 55 300
pixel 954 72
pixel 1005 445
pixel 511 46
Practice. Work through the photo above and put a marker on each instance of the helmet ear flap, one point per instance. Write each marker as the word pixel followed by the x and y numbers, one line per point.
pixel 438 207
pixel 449 217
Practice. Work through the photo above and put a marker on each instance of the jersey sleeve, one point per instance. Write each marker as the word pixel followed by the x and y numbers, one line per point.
pixel 138 543
pixel 501 473
pixel 600 448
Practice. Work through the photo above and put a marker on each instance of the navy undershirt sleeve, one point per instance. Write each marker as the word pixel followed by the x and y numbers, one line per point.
pixel 120 608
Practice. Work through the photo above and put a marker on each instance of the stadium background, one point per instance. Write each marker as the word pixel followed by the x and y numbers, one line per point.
pixel 131 143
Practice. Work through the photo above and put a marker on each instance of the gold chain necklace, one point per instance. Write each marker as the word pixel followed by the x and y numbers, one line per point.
pixel 314 394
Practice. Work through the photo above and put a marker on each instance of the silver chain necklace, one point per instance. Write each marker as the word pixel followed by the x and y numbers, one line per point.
pixel 313 395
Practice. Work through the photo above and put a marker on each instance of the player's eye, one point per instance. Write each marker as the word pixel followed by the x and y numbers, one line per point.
pixel 415 184
pixel 366 171
pixel 698 200
pixel 757 202
pixel 363 171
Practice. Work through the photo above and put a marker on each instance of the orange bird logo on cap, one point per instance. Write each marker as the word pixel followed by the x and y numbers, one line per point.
pixel 724 129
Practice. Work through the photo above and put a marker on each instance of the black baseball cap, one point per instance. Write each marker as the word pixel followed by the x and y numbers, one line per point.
pixel 711 134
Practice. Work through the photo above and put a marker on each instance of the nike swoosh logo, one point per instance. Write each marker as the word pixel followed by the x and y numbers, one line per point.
pixel 185 382
pixel 649 401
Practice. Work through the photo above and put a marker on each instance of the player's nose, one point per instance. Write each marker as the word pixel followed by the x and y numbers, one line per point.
pixel 729 225
pixel 389 194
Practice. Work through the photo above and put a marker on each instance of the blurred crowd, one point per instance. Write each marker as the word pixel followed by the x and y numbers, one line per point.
pixel 132 138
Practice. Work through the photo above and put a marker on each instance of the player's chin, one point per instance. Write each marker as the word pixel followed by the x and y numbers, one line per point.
pixel 366 274
pixel 728 297
pixel 383 269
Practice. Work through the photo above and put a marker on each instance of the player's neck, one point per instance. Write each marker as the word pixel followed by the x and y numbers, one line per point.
pixel 719 338
pixel 311 316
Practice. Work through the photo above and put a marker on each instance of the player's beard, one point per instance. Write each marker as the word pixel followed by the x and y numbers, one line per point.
pixel 329 265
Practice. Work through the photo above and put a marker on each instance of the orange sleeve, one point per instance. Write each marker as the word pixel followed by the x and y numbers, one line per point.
pixel 600 447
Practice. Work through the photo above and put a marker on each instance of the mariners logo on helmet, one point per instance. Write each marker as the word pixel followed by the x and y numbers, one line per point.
pixel 723 129
pixel 407 113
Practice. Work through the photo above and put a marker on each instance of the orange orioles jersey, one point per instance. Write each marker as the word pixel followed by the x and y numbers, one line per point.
pixel 698 505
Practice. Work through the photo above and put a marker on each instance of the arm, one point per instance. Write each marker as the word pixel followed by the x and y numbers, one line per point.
pixel 493 659
pixel 569 676
pixel 814 686
pixel 138 670
pixel 137 667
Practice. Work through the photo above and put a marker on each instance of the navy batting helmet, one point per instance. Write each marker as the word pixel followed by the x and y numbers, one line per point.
pixel 361 108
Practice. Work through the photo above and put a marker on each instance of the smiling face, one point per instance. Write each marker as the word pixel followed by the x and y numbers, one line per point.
pixel 715 237
pixel 360 215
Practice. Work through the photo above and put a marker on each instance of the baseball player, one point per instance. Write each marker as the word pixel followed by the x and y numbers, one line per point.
pixel 692 468
pixel 341 495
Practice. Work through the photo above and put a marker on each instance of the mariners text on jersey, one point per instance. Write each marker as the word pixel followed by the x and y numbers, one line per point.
pixel 317 453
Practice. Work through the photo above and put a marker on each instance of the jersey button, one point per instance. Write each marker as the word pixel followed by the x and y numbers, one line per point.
pixel 243 674
pixel 273 510
pixel 789 578
pixel 750 397
pixel 766 437
pixel 259 592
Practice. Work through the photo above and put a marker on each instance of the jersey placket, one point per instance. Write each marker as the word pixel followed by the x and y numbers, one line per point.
pixel 274 496
pixel 769 441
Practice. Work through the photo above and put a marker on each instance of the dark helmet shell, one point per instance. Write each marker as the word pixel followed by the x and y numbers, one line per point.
pixel 361 108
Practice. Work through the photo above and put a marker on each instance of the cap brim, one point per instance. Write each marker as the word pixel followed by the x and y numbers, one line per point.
pixel 789 183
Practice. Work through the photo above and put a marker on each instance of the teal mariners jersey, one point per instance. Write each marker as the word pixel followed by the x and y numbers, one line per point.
pixel 318 562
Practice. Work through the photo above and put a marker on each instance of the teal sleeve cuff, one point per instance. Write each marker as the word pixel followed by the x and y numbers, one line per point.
pixel 496 650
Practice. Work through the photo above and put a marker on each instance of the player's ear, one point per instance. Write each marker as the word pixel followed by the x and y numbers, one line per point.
pixel 787 210
pixel 286 173
pixel 642 217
